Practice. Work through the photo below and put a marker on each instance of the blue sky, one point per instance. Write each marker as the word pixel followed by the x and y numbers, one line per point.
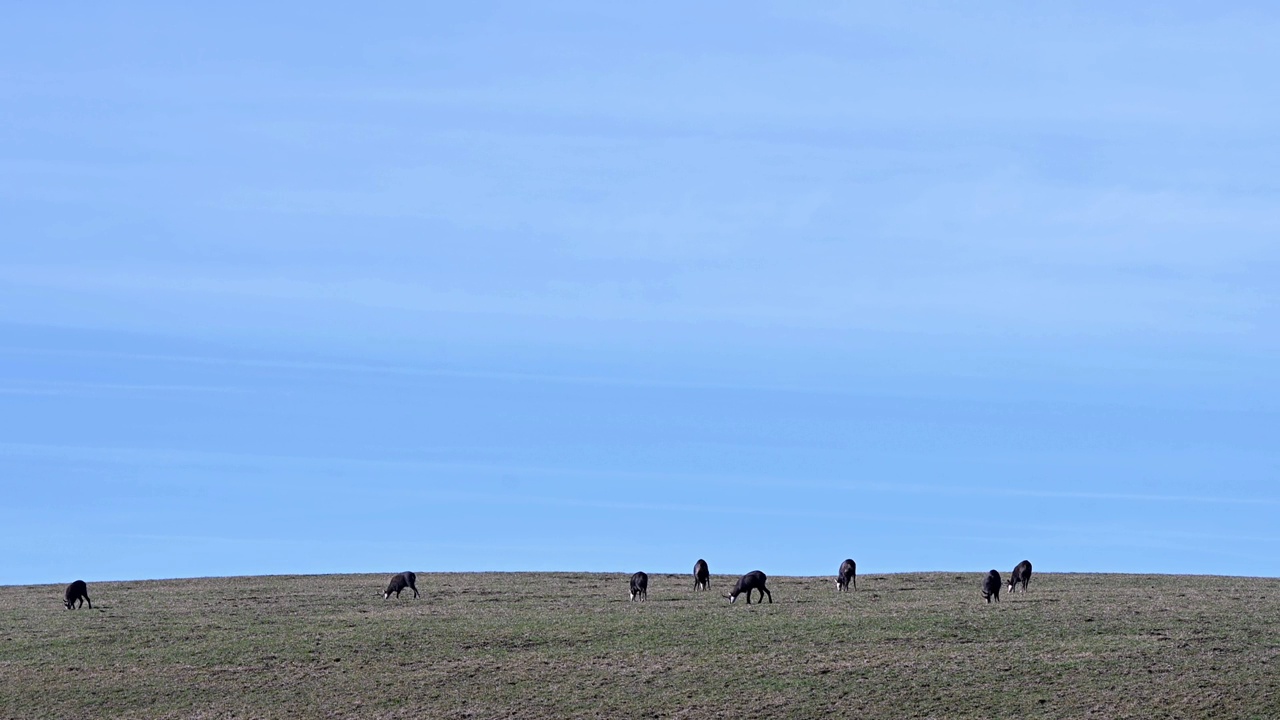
pixel 301 289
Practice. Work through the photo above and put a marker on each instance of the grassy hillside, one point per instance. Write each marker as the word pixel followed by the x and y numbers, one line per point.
pixel 570 645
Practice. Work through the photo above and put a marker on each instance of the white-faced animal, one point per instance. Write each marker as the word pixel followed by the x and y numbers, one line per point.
pixel 76 591
pixel 848 574
pixel 753 580
pixel 399 582
pixel 701 576
pixel 991 587
pixel 1020 574
pixel 640 586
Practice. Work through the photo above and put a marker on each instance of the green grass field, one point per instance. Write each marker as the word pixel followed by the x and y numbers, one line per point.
pixel 551 645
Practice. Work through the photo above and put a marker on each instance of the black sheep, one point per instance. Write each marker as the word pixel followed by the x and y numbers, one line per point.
pixel 640 586
pixel 848 574
pixel 701 576
pixel 76 591
pixel 991 587
pixel 399 582
pixel 1021 574
pixel 753 580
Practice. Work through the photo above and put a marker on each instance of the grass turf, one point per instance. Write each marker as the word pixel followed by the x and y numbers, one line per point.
pixel 554 645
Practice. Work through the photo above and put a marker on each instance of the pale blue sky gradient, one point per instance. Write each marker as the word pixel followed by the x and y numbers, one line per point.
pixel 300 288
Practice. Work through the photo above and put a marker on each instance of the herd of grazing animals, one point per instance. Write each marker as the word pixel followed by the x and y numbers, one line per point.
pixel 1021 575
pixel 753 581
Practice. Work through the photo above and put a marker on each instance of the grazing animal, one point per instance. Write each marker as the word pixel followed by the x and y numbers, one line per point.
pixel 753 580
pixel 701 576
pixel 640 586
pixel 399 582
pixel 848 574
pixel 77 591
pixel 991 587
pixel 1020 574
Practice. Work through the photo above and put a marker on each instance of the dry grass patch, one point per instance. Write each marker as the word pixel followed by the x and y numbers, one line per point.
pixel 571 645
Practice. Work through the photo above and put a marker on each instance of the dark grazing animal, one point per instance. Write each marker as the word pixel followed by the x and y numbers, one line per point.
pixel 399 582
pixel 77 591
pixel 1020 574
pixel 753 580
pixel 701 576
pixel 640 586
pixel 991 587
pixel 848 574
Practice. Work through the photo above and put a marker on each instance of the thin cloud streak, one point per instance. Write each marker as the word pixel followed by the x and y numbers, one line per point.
pixel 923 299
pixel 407 371
pixel 932 386
pixel 152 455
pixel 702 509
pixel 76 389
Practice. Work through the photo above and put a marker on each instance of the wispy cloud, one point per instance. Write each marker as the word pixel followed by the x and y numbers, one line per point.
pixel 554 473
pixel 85 388
pixel 320 366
